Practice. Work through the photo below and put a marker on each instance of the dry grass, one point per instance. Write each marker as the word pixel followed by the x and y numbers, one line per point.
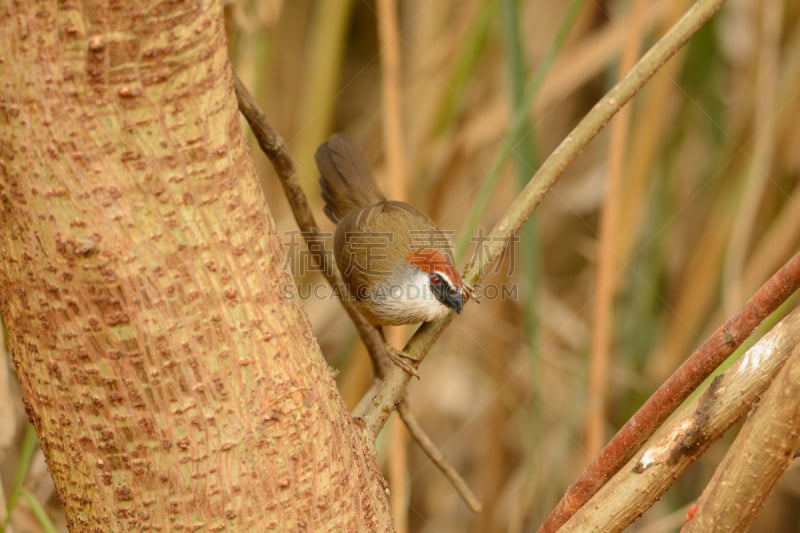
pixel 707 206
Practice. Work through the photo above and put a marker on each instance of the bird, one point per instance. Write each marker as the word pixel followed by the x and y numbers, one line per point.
pixel 395 262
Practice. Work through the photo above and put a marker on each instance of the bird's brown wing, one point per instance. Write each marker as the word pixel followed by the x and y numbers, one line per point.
pixel 369 240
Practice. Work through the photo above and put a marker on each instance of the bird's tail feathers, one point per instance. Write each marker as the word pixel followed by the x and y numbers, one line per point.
pixel 345 177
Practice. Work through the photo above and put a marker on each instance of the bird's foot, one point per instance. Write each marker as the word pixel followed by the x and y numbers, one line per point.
pixel 399 357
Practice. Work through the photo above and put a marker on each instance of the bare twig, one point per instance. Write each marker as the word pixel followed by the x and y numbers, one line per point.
pixel 675 390
pixel 438 458
pixel 272 145
pixel 378 405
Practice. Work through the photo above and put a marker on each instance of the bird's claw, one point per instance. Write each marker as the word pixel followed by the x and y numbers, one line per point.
pixel 397 357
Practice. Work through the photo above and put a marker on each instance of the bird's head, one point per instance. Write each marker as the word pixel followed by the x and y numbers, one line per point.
pixel 442 279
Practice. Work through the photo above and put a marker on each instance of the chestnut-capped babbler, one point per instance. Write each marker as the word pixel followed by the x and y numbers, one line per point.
pixel 394 260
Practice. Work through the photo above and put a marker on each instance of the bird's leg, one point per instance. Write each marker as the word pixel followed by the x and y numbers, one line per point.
pixel 397 356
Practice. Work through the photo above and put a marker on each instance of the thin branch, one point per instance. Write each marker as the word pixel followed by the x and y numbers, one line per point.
pixel 676 389
pixel 375 408
pixel 273 146
pixel 437 457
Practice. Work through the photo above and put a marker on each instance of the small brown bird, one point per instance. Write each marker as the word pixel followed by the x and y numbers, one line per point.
pixel 394 260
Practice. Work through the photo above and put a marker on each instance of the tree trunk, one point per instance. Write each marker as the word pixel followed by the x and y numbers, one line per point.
pixel 165 360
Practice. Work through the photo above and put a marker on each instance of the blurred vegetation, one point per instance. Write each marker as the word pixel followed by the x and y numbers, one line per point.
pixel 709 207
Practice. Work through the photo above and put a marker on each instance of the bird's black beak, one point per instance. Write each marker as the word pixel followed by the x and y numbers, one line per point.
pixel 454 300
pixel 449 296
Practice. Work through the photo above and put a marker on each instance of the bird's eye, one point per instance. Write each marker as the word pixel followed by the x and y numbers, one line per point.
pixel 436 279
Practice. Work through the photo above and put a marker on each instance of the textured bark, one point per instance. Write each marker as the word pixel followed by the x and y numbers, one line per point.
pixel 165 361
